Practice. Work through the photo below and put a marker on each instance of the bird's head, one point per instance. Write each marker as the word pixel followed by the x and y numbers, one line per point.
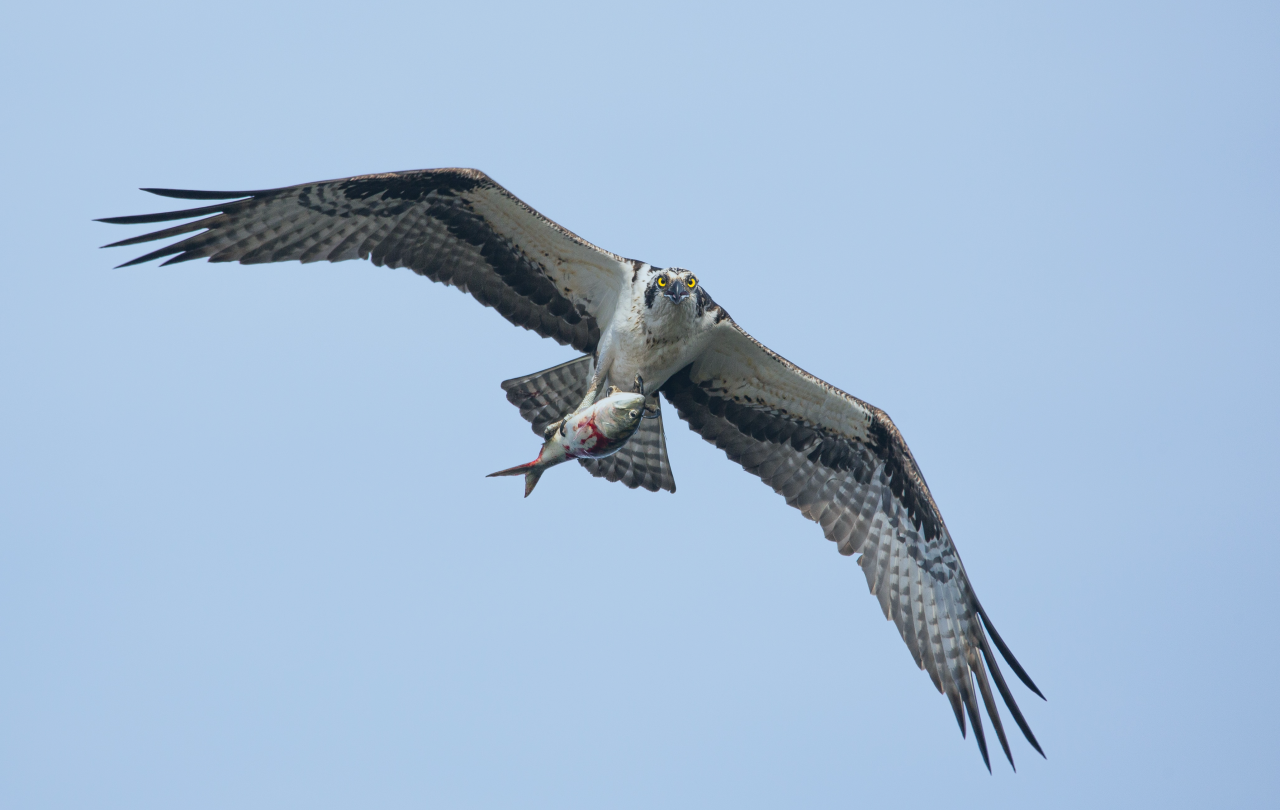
pixel 673 283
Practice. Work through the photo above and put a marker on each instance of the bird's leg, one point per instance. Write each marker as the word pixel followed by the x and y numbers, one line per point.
pixel 651 407
pixel 650 410
pixel 549 430
pixel 603 362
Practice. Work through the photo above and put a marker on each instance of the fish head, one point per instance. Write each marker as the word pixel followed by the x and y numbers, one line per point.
pixel 622 413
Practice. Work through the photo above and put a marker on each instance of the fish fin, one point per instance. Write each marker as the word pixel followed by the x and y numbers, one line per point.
pixel 519 469
pixel 530 471
pixel 531 480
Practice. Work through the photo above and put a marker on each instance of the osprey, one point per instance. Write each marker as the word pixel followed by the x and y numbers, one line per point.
pixel 837 459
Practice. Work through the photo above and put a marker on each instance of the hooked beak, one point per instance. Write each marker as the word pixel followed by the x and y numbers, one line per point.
pixel 676 292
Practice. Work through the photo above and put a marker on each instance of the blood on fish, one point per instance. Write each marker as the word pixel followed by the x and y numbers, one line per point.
pixel 585 437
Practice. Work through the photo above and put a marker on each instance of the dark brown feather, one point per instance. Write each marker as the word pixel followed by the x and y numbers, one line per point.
pixel 870 500
pixel 429 221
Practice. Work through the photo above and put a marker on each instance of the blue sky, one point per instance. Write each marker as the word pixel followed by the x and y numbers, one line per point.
pixel 248 556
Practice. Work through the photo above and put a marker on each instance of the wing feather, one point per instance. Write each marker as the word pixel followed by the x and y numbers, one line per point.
pixel 989 703
pixel 455 226
pixel 844 465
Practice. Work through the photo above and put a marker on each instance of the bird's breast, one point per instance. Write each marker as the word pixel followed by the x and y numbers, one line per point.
pixel 654 343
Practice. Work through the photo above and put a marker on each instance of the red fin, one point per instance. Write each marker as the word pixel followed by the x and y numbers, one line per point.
pixel 519 469
pixel 531 480
pixel 530 471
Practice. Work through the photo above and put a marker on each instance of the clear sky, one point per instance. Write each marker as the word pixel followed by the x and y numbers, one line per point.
pixel 248 555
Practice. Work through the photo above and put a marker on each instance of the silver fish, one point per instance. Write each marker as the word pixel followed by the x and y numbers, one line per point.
pixel 595 432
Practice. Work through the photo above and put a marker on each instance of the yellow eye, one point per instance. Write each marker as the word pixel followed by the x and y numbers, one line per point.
pixel 662 281
pixel 693 282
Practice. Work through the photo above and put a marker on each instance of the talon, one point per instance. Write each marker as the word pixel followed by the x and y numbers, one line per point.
pixel 639 384
pixel 651 411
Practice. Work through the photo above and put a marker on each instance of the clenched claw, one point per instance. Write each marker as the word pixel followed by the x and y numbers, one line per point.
pixel 651 411
pixel 552 428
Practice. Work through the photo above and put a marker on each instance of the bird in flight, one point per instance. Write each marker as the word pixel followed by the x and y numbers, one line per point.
pixel 837 459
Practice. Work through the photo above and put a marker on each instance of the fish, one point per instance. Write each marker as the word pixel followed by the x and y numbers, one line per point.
pixel 595 432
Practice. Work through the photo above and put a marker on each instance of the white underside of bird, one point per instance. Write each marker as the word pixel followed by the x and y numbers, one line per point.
pixel 651 335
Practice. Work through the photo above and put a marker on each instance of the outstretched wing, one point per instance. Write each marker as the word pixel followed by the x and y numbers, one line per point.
pixel 455 226
pixel 843 464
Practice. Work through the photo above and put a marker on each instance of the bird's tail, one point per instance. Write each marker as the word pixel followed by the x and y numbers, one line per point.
pixel 550 394
pixel 531 472
pixel 545 396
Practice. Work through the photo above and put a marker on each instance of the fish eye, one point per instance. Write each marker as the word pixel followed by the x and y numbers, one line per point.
pixel 634 414
pixel 662 281
pixel 693 282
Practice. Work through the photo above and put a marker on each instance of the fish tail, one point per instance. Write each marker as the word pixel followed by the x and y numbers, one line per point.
pixel 530 471
pixel 519 469
pixel 531 480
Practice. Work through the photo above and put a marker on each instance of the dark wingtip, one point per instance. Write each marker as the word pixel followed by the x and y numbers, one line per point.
pixel 993 711
pixel 1005 651
pixel 165 234
pixel 167 216
pixel 955 707
pixel 140 219
pixel 155 254
pixel 975 720
pixel 187 194
pixel 1003 687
